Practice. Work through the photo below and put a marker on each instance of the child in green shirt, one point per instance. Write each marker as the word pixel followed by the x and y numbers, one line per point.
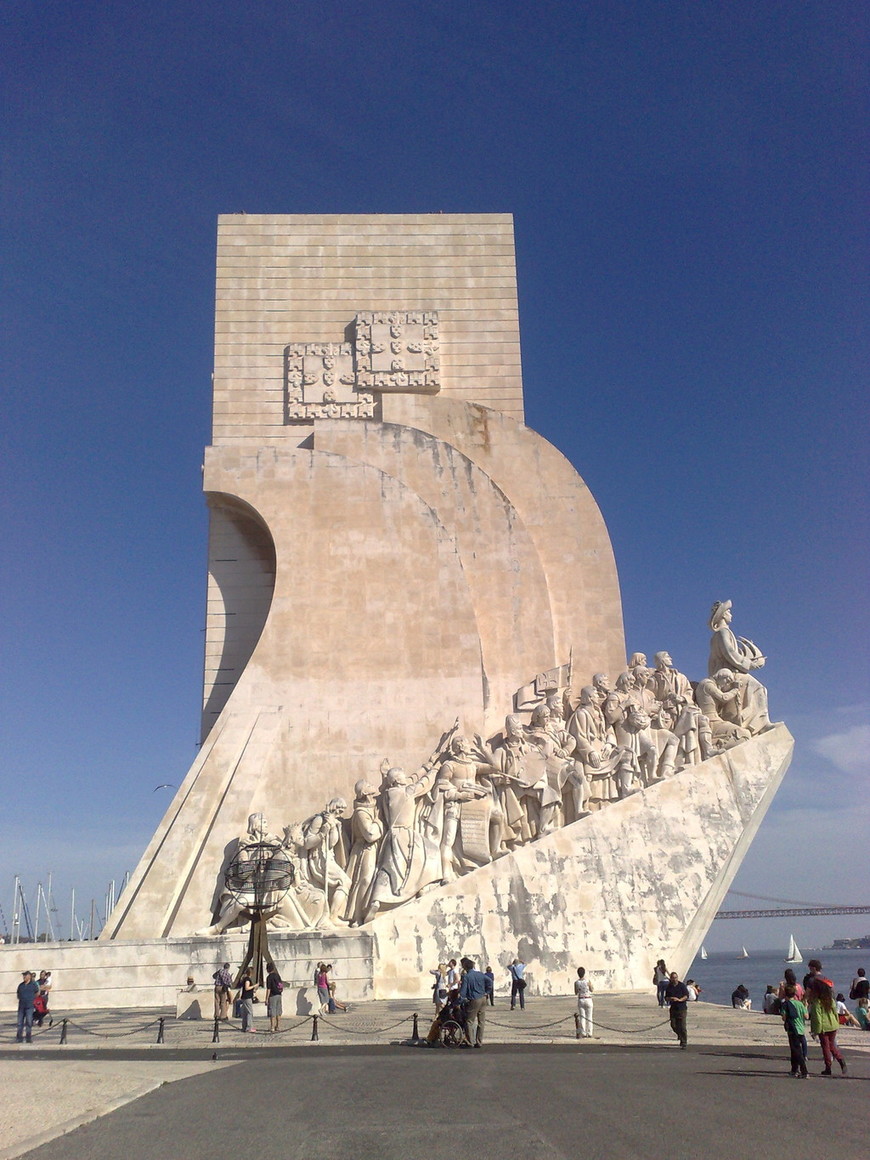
pixel 794 1015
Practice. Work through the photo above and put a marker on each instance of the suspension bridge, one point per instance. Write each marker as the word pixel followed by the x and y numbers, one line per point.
pixel 787 908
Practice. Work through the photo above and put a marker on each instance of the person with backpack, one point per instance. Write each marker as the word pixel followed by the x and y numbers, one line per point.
pixel 223 982
pixel 274 990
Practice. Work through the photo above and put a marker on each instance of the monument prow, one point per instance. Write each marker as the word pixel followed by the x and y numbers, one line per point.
pixel 392 549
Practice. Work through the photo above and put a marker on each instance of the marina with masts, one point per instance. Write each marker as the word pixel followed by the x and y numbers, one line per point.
pixel 41 922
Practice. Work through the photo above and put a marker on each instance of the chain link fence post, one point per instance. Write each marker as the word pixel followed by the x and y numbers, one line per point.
pixel 315 1038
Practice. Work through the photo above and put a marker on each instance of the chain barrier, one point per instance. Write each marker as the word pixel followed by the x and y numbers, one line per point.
pixel 115 1035
pixel 317 1021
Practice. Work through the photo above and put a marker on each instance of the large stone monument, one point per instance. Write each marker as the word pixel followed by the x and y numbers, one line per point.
pixel 415 671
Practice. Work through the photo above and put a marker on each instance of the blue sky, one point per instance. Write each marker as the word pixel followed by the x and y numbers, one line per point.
pixel 686 180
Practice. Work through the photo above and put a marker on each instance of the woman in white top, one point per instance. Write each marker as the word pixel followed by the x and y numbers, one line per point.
pixel 583 990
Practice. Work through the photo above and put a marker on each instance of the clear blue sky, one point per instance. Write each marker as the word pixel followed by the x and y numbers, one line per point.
pixel 686 180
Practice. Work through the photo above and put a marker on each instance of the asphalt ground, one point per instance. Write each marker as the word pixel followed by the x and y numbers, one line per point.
pixel 504 1101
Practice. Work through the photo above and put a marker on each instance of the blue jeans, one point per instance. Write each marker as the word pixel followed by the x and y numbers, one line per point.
pixel 25 1023
pixel 660 992
pixel 797 1045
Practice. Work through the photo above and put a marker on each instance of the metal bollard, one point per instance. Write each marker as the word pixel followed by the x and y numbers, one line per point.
pixel 315 1038
pixel 216 1034
pixel 63 1032
pixel 160 1030
pixel 415 1034
pixel 576 1024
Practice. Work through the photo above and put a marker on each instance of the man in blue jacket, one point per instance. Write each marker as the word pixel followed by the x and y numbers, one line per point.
pixel 472 992
pixel 27 992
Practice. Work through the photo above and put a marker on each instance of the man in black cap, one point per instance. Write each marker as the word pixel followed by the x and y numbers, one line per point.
pixel 472 992
pixel 27 992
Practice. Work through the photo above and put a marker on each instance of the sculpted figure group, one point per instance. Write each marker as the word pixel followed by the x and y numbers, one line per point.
pixel 473 800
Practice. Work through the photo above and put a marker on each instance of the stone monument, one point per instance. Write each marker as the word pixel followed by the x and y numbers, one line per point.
pixel 413 607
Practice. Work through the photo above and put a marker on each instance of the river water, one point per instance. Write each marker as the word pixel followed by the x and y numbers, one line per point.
pixel 722 971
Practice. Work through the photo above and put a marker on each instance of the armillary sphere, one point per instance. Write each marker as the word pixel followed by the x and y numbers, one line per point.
pixel 258 877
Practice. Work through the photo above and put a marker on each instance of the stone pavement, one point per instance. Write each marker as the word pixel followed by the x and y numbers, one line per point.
pixel 112 1058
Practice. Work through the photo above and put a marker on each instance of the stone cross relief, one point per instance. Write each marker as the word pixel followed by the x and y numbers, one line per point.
pixel 395 351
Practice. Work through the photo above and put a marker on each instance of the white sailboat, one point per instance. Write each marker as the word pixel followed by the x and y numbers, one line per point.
pixel 744 953
pixel 703 952
pixel 794 954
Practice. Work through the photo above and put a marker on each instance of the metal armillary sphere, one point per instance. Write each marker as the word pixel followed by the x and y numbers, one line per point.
pixel 258 877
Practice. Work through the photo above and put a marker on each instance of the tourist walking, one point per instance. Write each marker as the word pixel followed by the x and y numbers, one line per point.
pixel 490 985
pixel 794 1017
pixel 274 991
pixel 677 996
pixel 28 989
pixel 824 1021
pixel 321 978
pixel 660 981
pixel 583 990
pixel 246 1001
pixel 223 982
pixel 472 993
pixel 518 983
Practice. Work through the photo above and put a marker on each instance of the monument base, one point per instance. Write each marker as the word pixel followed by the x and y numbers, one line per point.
pixel 637 881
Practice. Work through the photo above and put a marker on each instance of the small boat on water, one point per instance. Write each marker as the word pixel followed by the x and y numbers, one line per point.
pixel 703 952
pixel 744 953
pixel 794 954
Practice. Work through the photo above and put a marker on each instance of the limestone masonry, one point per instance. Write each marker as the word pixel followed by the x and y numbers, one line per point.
pixel 422 735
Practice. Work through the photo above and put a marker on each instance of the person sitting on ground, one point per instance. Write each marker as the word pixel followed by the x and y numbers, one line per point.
pixel 337 1005
pixel 847 1019
pixel 770 1002
pixel 740 998
pixel 860 988
pixel 694 990
pixel 862 1014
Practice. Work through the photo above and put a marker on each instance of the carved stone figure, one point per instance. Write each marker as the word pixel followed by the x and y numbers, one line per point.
pixel 718 697
pixel 666 680
pixel 728 651
pixel 519 768
pixel 324 841
pixel 366 831
pixel 409 859
pixel 471 831
pixel 607 766
pixel 633 727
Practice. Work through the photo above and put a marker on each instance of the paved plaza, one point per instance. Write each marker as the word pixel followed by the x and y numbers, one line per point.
pixel 363 1090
